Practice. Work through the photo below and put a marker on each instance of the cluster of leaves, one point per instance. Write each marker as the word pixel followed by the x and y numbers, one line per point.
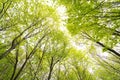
pixel 98 21
pixel 32 46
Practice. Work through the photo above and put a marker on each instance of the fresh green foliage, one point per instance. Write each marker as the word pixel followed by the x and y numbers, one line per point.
pixel 59 40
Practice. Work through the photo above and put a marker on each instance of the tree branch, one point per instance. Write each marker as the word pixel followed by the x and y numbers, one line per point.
pixel 29 56
pixel 15 66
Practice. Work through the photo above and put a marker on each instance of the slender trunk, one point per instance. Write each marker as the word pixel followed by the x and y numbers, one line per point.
pixel 29 56
pixel 15 66
pixel 51 68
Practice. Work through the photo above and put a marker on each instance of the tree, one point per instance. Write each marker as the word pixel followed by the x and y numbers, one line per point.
pixel 59 40
pixel 97 21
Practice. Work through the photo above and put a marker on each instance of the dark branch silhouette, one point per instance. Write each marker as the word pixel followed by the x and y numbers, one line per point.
pixel 15 66
pixel 15 41
pixel 29 56
pixel 101 44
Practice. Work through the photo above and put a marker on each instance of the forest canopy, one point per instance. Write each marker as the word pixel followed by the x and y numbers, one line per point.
pixel 59 39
